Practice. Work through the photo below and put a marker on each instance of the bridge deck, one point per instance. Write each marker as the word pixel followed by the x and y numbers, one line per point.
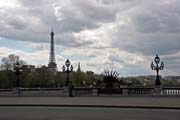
pixel 99 101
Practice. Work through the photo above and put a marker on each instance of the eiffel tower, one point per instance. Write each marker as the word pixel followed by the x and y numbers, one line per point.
pixel 52 62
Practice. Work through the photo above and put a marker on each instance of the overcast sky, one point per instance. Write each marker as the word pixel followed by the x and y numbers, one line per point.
pixel 121 34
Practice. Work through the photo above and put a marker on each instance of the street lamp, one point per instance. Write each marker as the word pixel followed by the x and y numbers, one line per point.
pixel 18 70
pixel 67 68
pixel 157 68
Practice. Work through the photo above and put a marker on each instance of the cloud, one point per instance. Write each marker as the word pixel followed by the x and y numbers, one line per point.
pixel 39 57
pixel 151 28
pixel 125 34
pixel 67 17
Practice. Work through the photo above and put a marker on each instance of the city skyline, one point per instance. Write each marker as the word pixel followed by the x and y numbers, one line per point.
pixel 100 34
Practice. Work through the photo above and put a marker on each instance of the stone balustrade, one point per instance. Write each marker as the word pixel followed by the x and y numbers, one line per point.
pixel 83 91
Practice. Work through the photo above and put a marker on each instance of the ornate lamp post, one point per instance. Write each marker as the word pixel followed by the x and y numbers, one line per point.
pixel 67 68
pixel 157 68
pixel 18 71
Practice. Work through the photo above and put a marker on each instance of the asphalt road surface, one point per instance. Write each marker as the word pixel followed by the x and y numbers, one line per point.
pixel 77 113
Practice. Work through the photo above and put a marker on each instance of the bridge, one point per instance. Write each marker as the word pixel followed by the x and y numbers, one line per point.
pixel 90 103
pixel 83 91
pixel 88 108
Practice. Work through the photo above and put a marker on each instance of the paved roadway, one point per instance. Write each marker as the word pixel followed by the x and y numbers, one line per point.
pixel 111 101
pixel 76 113
pixel 19 108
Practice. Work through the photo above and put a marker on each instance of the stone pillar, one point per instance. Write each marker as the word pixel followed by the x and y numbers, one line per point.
pixel 94 91
pixel 16 92
pixel 124 90
pixel 66 91
pixel 157 90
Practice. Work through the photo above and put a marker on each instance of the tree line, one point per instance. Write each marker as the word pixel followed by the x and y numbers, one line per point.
pixel 41 77
pixel 44 78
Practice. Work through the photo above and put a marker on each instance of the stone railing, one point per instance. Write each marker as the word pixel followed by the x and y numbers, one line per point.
pixel 128 91
pixel 7 92
pixel 139 91
pixel 171 91
pixel 41 92
pixel 82 91
pixel 32 92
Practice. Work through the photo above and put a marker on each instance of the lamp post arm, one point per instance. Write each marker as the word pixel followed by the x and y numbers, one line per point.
pixel 162 66
pixel 152 66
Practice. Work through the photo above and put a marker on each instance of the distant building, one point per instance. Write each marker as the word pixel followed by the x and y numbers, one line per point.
pixel 142 78
pixel 90 72
pixel 42 68
pixel 172 78
pixel 79 67
pixel 52 66
pixel 148 77
pixel 28 68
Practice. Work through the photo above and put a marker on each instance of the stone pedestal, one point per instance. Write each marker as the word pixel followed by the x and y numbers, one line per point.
pixel 66 91
pixel 16 92
pixel 157 90
pixel 124 91
pixel 95 92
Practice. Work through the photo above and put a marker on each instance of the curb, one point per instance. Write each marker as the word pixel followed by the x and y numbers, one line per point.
pixel 89 106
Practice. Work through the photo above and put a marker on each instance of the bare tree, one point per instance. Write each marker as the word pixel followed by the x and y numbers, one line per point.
pixel 7 63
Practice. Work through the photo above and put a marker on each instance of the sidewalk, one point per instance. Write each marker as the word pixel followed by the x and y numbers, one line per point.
pixel 124 102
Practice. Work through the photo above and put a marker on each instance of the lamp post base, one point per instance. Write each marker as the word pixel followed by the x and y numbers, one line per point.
pixel 157 90
pixel 16 91
pixel 66 91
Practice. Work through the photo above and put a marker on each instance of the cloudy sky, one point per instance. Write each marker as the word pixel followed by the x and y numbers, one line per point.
pixel 121 34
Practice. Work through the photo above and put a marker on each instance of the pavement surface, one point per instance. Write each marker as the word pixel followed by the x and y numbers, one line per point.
pixel 121 102
pixel 89 108
pixel 86 113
